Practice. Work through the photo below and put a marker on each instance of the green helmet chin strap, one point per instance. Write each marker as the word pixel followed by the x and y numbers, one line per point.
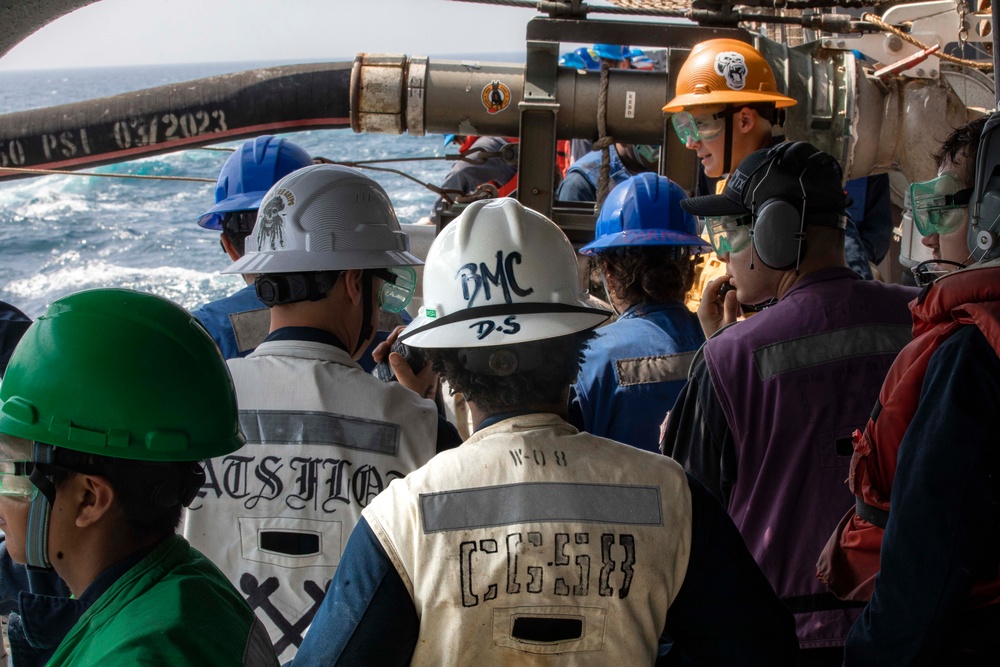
pixel 37 538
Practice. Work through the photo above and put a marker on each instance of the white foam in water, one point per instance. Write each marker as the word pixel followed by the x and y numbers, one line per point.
pixel 61 234
pixel 185 286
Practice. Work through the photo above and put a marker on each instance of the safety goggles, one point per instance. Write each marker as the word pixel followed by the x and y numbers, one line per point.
pixel 648 153
pixel 14 482
pixel 399 284
pixel 940 205
pixel 706 128
pixel 728 233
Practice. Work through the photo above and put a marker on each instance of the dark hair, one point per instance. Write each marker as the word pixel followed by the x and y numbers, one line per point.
pixel 150 494
pixel 963 143
pixel 542 385
pixel 237 225
pixel 640 274
pixel 767 110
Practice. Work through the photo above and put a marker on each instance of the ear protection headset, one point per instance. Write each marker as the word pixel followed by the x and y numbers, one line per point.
pixel 778 232
pixel 280 288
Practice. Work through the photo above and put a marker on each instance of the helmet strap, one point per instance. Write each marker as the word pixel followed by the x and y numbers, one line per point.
pixel 727 160
pixel 37 537
pixel 367 278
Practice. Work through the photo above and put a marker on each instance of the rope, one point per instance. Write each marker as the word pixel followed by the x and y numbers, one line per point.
pixel 543 6
pixel 445 194
pixel 604 142
pixel 59 172
pixel 876 20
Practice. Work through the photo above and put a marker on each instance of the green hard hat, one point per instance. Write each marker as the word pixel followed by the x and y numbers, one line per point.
pixel 122 374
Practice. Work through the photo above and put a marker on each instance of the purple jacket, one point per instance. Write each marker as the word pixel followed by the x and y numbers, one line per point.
pixel 794 382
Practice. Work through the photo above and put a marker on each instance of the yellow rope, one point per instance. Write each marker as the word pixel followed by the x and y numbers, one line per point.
pixel 876 20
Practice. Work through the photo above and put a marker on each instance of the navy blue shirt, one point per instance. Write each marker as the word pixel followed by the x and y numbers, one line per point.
pixel 13 324
pixel 942 533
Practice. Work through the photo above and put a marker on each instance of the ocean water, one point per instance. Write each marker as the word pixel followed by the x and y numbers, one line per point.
pixel 62 234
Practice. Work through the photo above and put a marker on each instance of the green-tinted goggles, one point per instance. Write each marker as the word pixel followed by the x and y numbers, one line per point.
pixel 940 205
pixel 688 128
pixel 728 233
pixel 398 288
pixel 14 482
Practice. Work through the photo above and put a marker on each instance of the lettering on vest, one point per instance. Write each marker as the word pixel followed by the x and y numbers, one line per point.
pixel 537 457
pixel 565 557
pixel 477 278
pixel 297 483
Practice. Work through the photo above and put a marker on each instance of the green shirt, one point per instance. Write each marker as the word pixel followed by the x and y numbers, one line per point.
pixel 173 608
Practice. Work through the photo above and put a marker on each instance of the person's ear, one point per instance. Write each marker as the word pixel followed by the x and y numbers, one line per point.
pixel 746 119
pixel 352 284
pixel 94 499
pixel 231 250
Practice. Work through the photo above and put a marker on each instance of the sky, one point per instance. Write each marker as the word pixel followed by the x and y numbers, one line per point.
pixel 142 32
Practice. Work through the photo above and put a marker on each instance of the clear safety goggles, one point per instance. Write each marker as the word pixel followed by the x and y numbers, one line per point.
pixel 648 153
pixel 14 482
pixel 689 128
pixel 728 233
pixel 399 284
pixel 940 205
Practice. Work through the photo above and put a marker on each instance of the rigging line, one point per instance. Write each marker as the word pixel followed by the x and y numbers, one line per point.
pixel 453 157
pixel 59 172
pixel 906 37
pixel 433 188
pixel 590 9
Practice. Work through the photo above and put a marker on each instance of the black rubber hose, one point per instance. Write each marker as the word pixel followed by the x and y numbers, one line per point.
pixel 173 117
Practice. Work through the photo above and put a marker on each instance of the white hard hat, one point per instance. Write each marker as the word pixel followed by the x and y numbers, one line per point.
pixel 500 274
pixel 324 217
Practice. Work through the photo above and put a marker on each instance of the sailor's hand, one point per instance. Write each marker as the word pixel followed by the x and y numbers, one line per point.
pixel 424 383
pixel 382 349
pixel 717 309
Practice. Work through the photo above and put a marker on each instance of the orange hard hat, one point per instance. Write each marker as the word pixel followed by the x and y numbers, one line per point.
pixel 726 71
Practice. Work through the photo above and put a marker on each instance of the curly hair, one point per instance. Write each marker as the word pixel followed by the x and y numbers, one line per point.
pixel 640 274
pixel 963 144
pixel 538 386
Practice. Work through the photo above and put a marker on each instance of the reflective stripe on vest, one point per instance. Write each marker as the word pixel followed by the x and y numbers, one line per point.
pixel 860 341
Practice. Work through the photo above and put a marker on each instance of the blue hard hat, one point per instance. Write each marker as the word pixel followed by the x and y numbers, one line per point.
pixel 249 173
pixel 589 61
pixel 645 210
pixel 635 53
pixel 572 60
pixel 611 51
pixel 448 138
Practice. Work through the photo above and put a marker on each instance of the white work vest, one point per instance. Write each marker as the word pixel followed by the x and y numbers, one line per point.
pixel 323 438
pixel 533 544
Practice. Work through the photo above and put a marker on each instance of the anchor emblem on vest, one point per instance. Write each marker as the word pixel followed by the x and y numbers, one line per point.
pixel 259 597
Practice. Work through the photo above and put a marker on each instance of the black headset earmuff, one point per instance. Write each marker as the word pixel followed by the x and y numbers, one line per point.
pixel 778 231
pixel 280 288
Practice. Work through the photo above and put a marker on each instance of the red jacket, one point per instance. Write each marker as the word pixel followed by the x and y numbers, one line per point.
pixel 850 559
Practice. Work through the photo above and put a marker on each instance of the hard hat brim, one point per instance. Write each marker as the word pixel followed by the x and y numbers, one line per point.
pixel 460 330
pixel 646 237
pixel 249 201
pixel 727 97
pixel 304 261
